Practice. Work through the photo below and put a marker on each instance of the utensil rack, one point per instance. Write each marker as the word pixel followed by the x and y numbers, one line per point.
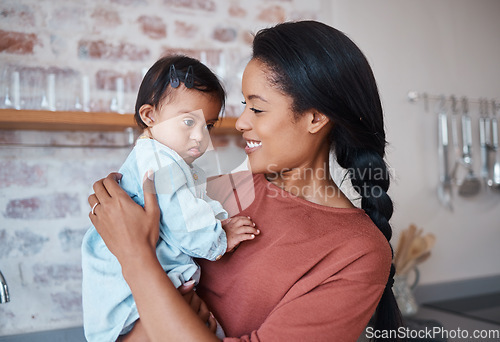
pixel 416 96
pixel 489 175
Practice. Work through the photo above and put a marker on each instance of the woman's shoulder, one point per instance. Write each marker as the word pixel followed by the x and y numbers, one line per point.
pixel 365 251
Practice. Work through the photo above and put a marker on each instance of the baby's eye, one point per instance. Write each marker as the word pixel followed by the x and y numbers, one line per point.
pixel 189 122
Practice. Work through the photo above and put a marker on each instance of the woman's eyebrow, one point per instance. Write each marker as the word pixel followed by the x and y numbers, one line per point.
pixel 252 97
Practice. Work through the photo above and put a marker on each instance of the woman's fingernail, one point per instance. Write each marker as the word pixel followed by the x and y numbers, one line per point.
pixel 188 283
pixel 252 236
pixel 253 224
pixel 249 217
pixel 258 231
pixel 212 315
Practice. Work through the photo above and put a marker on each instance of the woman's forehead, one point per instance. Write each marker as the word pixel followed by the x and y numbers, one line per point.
pixel 256 78
pixel 259 83
pixel 256 68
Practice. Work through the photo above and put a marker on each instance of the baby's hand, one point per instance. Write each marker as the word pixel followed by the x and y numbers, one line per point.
pixel 238 229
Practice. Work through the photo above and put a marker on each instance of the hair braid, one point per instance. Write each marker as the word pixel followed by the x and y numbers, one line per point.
pixel 370 178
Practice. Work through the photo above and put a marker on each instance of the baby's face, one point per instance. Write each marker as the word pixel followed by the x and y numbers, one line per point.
pixel 182 123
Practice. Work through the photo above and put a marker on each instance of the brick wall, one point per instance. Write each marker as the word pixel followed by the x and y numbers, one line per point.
pixel 43 216
pixel 43 198
pixel 106 40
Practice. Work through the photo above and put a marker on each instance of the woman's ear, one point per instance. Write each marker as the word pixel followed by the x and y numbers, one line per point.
pixel 147 114
pixel 317 121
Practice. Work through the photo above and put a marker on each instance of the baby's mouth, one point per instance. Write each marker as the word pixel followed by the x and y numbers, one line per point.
pixel 194 151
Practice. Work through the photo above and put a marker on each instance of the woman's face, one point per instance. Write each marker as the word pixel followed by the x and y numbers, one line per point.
pixel 276 141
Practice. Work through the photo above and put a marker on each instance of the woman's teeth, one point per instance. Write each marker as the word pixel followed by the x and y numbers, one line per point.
pixel 253 144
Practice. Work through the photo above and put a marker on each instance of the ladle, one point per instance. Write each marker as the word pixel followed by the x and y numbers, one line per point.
pixel 471 184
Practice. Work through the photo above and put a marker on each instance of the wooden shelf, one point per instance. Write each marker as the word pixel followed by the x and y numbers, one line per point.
pixel 226 126
pixel 11 119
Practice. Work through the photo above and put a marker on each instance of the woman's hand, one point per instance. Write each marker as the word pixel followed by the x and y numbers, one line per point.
pixel 126 227
pixel 198 305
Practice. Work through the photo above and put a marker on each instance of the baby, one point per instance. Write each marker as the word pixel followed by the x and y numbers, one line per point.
pixel 178 102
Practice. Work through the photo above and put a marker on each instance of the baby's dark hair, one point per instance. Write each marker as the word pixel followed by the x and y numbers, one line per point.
pixel 154 87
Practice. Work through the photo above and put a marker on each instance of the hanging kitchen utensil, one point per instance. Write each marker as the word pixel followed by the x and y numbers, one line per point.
pixel 444 187
pixel 471 184
pixel 484 128
pixel 455 139
pixel 494 182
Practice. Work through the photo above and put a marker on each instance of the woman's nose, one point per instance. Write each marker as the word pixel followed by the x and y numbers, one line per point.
pixel 243 122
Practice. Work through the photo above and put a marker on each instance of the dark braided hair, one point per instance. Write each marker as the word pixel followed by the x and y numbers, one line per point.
pixel 154 87
pixel 320 68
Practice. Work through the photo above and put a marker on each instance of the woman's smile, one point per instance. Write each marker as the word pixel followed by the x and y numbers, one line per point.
pixel 252 145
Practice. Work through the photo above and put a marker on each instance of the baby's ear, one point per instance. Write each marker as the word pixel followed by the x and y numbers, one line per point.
pixel 147 114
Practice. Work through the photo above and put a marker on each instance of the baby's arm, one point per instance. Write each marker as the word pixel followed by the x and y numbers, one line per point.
pixel 239 229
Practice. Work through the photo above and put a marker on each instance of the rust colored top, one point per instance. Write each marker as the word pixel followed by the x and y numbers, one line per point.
pixel 314 273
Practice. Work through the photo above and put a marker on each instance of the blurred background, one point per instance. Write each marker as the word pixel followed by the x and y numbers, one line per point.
pixel 66 65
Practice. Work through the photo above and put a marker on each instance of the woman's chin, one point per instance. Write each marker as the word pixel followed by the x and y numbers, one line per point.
pixel 256 166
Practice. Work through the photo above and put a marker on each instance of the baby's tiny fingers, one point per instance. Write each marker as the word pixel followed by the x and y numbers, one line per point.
pixel 248 230
pixel 243 220
pixel 246 237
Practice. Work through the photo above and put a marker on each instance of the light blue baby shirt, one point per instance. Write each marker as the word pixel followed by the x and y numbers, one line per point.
pixel 190 228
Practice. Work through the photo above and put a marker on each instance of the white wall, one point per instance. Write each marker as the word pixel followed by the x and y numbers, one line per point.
pixel 441 47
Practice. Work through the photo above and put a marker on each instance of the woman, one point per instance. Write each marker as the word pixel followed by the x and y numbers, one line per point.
pixel 320 268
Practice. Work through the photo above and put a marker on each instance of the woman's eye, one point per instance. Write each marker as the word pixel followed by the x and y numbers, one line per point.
pixel 189 122
pixel 209 126
pixel 256 111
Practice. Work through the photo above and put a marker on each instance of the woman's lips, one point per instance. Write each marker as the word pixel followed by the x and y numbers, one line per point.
pixel 252 145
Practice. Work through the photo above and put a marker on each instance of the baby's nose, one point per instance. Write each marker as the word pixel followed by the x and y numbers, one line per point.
pixel 197 134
